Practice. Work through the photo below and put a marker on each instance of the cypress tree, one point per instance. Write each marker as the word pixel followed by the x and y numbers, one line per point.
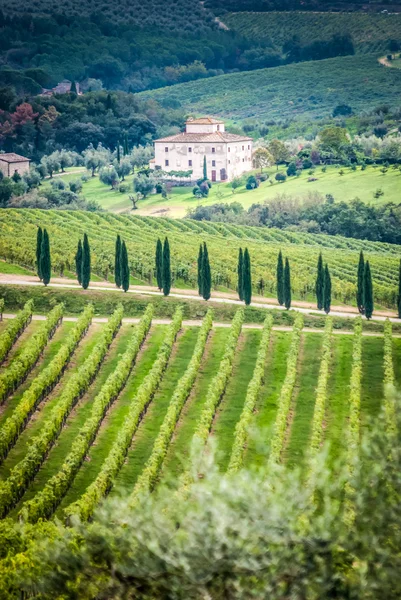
pixel 117 262
pixel 206 274
pixel 360 284
pixel 159 264
pixel 124 267
pixel 399 293
pixel 45 260
pixel 368 291
pixel 78 262
pixel 320 280
pixel 73 88
pixel 240 269
pixel 280 279
pixel 204 168
pixel 125 145
pixel 327 290
pixel 166 268
pixel 246 278
pixel 200 266
pixel 118 152
pixel 86 263
pixel 287 285
pixel 39 237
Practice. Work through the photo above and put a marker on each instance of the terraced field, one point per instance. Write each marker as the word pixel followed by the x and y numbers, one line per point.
pixel 119 410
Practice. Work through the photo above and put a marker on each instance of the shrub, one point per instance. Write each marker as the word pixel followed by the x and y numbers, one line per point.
pixel 281 177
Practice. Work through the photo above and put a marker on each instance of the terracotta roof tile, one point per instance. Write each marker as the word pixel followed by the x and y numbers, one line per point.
pixel 12 158
pixel 205 121
pixel 217 136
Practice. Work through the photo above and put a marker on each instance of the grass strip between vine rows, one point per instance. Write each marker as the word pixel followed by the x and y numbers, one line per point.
pixel 14 328
pixel 147 479
pixel 254 387
pixel 13 488
pixel 284 401
pixel 389 380
pixel 46 501
pixel 20 367
pixel 85 506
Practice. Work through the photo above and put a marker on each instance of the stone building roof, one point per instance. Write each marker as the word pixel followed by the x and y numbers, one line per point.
pixel 217 136
pixel 13 158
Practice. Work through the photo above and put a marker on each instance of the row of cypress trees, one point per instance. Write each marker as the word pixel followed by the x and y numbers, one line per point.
pixel 43 259
pixel 244 276
pixel 364 292
pixel 83 262
pixel 283 279
pixel 121 265
pixel 163 266
pixel 204 273
pixel 323 286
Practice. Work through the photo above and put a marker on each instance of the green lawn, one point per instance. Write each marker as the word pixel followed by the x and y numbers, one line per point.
pixel 372 379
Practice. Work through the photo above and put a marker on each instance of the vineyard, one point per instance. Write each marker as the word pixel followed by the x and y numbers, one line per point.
pixel 370 32
pixel 18 230
pixel 115 407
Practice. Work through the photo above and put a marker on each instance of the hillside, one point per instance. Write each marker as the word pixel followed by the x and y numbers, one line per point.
pixel 310 89
pixel 370 32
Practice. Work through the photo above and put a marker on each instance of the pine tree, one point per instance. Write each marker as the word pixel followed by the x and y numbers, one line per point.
pixel 240 269
pixel 360 284
pixel 399 293
pixel 166 268
pixel 118 152
pixel 78 262
pixel 45 260
pixel 124 267
pixel 86 263
pixel 39 237
pixel 320 279
pixel 159 264
pixel 327 290
pixel 204 168
pixel 117 262
pixel 200 266
pixel 368 291
pixel 287 285
pixel 246 278
pixel 280 279
pixel 206 274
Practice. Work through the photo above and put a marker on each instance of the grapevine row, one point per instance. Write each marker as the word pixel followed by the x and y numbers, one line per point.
pixel 14 328
pixel 149 475
pixel 20 367
pixel 46 501
pixel 12 489
pixel 85 506
pixel 254 387
pixel 287 389
pixel 42 384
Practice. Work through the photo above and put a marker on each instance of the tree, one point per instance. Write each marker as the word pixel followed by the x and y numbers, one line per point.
pixel 287 285
pixel 252 183
pixel 140 156
pixel 332 139
pixel 280 279
pixel 279 152
pixel 144 185
pixel 125 144
pixel 73 88
pixel 292 169
pixel 368 291
pixel 246 278
pixel 108 176
pixel 39 237
pixel 206 274
pixel 45 260
pixel 320 283
pixel 262 158
pixel 95 158
pixel 200 265
pixel 327 290
pixel 204 168
pixel 78 262
pixel 123 168
pixel 166 268
pixel 117 262
pixel 360 284
pixel 159 264
pixel 399 293
pixel 86 263
pixel 118 154
pixel 124 267
pixel 240 269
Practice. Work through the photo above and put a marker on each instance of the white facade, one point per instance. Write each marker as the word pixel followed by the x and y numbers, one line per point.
pixel 227 155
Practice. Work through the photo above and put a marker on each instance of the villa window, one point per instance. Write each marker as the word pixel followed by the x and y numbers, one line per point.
pixel 249 147
pixel 218 127
pixel 243 147
pixel 189 149
pixel 166 163
pixel 213 163
pixel 190 163
pixel 229 149
pixel 213 150
pixel 166 149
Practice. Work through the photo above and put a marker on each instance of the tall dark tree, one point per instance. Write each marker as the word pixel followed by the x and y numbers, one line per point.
pixel 204 168
pixel 118 152
pixel 159 264
pixel 200 266
pixel 73 88
pixel 39 237
pixel 45 260
pixel 360 302
pixel 117 262
pixel 280 279
pixel 78 262
pixel 124 267
pixel 206 274
pixel 399 293
pixel 368 291
pixel 125 145
pixel 320 279
pixel 247 278
pixel 166 268
pixel 86 263
pixel 327 290
pixel 287 285
pixel 240 269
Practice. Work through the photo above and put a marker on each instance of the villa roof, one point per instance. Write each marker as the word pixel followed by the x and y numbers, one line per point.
pixel 13 158
pixel 217 136
pixel 204 121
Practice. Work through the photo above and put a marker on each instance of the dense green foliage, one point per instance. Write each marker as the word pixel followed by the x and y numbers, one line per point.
pixel 166 268
pixel 247 278
pixel 368 291
pixel 206 274
pixel 124 266
pixel 287 284
pixel 86 263
pixel 45 258
pixel 327 290
pixel 200 265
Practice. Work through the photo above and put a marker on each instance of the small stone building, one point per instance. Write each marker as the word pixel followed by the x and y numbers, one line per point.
pixel 11 163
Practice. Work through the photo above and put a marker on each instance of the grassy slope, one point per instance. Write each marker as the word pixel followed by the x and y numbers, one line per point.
pixel 372 379
pixel 297 90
